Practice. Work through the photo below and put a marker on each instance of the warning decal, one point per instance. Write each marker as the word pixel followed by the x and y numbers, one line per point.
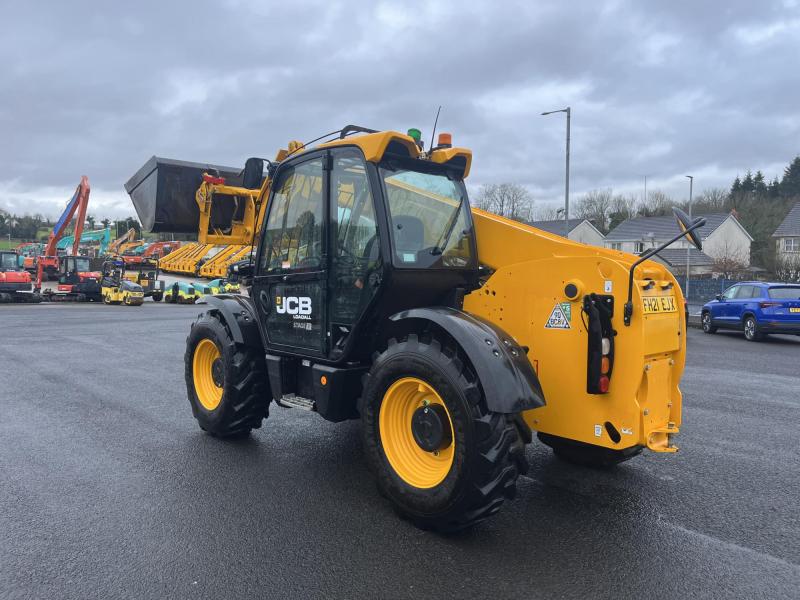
pixel 560 317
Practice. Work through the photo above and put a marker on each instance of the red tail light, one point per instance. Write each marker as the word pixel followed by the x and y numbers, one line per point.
pixel 768 304
pixel 599 311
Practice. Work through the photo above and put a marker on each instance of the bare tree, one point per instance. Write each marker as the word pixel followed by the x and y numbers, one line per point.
pixel 656 204
pixel 787 268
pixel 730 260
pixel 506 199
pixel 547 212
pixel 595 206
pixel 713 199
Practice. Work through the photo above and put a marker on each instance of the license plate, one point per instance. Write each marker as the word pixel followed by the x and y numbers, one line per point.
pixel 659 304
pixel 794 310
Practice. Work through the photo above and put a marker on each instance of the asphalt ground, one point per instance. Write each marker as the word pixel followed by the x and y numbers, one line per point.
pixel 108 489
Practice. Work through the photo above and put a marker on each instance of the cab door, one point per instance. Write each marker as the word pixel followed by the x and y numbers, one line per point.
pixel 289 286
pixel 721 310
pixel 740 302
pixel 355 253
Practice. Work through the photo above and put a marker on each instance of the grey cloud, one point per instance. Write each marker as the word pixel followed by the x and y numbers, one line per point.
pixel 657 89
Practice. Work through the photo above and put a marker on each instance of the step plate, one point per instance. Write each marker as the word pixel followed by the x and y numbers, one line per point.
pixel 293 401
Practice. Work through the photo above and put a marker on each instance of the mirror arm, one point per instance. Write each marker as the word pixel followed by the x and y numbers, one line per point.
pixel 628 312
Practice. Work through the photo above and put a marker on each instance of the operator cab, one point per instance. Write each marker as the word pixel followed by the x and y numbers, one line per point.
pixel 9 261
pixel 349 241
pixel 71 267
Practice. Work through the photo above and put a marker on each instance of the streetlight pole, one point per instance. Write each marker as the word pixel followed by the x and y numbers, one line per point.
pixel 689 246
pixel 645 189
pixel 567 110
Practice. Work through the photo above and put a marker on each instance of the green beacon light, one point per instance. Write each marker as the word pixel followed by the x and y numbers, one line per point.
pixel 415 133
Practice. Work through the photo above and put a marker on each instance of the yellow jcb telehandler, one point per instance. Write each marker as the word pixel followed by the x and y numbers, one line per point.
pixel 453 334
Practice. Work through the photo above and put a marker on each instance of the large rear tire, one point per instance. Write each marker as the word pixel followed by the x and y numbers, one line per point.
pixel 457 479
pixel 226 382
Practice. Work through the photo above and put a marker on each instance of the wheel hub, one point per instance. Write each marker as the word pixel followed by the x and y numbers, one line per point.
pixel 430 427
pixel 217 373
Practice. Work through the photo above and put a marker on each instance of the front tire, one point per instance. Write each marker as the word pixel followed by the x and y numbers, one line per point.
pixel 157 297
pixel 226 382
pixel 751 332
pixel 706 322
pixel 466 473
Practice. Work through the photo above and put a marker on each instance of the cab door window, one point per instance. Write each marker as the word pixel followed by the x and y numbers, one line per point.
pixel 290 284
pixel 355 246
pixel 292 239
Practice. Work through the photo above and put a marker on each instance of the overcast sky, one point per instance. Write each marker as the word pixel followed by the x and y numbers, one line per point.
pixel 662 89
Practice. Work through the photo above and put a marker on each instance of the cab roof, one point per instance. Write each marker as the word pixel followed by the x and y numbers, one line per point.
pixel 378 144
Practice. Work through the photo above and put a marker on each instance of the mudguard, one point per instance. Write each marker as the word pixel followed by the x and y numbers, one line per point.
pixel 509 382
pixel 239 315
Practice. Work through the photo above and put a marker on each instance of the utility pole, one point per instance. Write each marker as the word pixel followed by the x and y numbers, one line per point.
pixel 567 110
pixel 645 189
pixel 689 246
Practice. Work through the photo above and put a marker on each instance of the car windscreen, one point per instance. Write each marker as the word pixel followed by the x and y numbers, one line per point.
pixel 785 292
pixel 430 219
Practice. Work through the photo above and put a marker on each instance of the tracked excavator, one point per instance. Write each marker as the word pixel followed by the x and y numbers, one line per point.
pixel 76 280
pixel 15 281
pixel 455 335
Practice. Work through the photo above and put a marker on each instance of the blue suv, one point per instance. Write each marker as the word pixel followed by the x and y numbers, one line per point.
pixel 756 308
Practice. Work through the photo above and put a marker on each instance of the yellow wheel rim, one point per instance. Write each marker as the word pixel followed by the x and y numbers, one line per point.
pixel 209 390
pixel 414 465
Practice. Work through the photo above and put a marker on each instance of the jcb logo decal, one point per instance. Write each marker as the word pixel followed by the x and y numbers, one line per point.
pixel 293 305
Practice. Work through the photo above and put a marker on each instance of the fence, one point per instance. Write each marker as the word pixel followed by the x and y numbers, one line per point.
pixel 703 290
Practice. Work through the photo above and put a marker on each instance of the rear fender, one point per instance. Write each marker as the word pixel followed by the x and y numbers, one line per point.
pixel 509 382
pixel 238 313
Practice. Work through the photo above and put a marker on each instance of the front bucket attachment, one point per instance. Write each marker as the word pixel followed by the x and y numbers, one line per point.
pixel 163 194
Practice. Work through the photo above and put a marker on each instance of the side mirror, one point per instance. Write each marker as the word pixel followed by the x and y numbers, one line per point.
pixel 688 228
pixel 718 296
pixel 253 173
pixel 684 222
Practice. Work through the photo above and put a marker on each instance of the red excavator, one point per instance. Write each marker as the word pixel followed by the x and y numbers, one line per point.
pixel 15 282
pixel 75 280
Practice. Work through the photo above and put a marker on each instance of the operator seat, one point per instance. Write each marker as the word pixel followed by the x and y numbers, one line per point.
pixel 409 236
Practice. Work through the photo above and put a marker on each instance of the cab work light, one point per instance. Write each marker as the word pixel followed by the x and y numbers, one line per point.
pixel 600 346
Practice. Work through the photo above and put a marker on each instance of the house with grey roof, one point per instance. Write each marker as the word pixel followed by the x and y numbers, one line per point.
pixel 787 237
pixel 580 230
pixel 724 238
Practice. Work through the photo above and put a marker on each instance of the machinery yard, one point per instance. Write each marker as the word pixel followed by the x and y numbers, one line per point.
pixel 110 489
pixel 400 300
pixel 468 358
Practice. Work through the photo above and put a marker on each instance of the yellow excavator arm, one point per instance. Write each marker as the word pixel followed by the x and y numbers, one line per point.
pixel 115 246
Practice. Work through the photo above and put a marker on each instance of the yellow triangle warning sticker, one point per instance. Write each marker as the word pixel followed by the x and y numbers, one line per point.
pixel 559 318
